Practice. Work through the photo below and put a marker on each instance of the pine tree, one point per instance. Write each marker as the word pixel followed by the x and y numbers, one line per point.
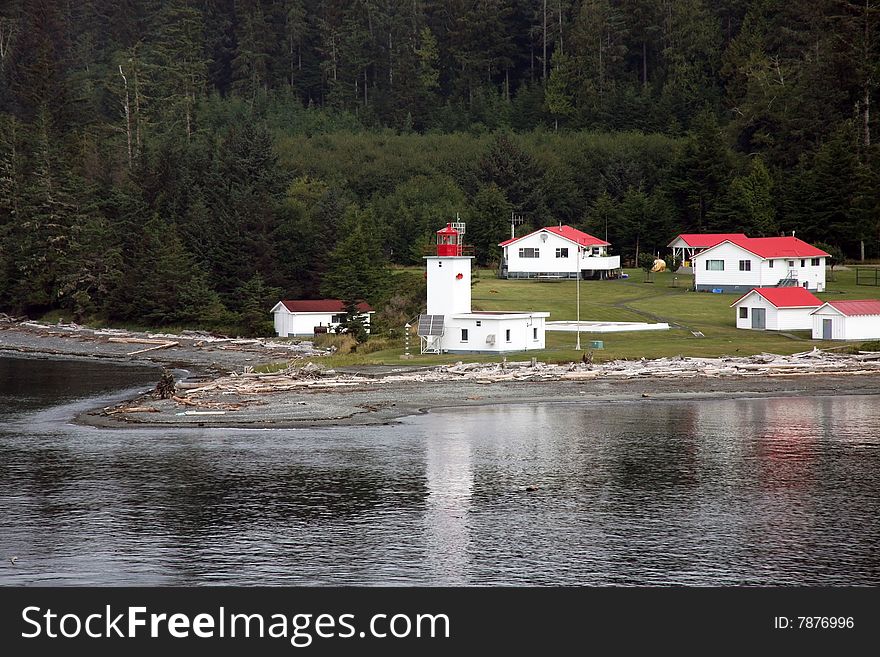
pixel 701 174
pixel 748 205
pixel 254 298
pixel 488 223
pixel 357 270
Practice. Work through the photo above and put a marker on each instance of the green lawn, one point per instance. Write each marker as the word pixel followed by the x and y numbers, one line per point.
pixel 667 299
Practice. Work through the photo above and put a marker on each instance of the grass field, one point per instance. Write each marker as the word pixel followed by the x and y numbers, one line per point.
pixel 668 298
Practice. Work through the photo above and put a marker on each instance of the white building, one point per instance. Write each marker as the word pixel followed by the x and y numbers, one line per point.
pixel 776 309
pixel 311 316
pixel 847 320
pixel 687 245
pixel 740 264
pixel 450 326
pixel 557 252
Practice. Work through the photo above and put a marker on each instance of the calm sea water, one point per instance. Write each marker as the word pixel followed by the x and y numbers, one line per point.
pixel 761 491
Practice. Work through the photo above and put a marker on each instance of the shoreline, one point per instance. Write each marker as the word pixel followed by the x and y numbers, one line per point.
pixel 311 397
pixel 391 403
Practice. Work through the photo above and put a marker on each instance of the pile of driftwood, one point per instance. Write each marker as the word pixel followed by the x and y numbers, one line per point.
pixel 266 347
pixel 314 377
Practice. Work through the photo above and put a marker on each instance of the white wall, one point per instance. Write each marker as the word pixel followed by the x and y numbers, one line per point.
pixel 777 319
pixel 289 324
pixel 521 334
pixel 447 294
pixel 761 274
pixel 794 319
pixel 548 262
pixel 814 275
pixel 859 327
pixel 599 263
pixel 731 276
pixel 752 301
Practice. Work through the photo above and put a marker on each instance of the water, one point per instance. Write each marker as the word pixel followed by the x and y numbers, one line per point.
pixel 761 491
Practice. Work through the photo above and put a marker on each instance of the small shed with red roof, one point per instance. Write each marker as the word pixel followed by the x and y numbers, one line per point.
pixel 557 252
pixel 847 320
pixel 776 309
pixel 302 317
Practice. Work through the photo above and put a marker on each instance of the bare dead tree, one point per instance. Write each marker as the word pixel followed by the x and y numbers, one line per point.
pixel 127 109
pixel 7 33
pixel 544 32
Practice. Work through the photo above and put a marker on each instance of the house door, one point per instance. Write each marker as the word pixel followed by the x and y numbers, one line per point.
pixel 826 329
pixel 759 318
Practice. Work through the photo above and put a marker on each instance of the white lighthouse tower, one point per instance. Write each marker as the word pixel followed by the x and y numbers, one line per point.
pixel 448 324
pixel 449 274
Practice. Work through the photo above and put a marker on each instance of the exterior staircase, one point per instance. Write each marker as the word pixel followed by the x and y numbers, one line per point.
pixel 790 280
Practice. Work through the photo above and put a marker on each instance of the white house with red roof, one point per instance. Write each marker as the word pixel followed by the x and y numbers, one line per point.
pixel 311 316
pixel 776 309
pixel 738 264
pixel 557 252
pixel 847 320
pixel 449 325
pixel 687 245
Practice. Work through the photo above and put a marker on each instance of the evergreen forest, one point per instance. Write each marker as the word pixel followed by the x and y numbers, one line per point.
pixel 191 162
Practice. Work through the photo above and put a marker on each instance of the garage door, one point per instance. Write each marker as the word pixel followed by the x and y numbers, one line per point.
pixel 759 318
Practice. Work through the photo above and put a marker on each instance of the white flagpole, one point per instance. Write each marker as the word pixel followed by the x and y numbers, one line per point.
pixel 578 286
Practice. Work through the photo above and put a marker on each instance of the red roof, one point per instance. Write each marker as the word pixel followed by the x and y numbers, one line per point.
pixel 774 247
pixel 785 297
pixel 569 233
pixel 780 247
pixel 705 240
pixel 860 307
pixel 322 306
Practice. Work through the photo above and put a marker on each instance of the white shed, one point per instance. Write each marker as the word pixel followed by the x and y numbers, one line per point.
pixel 495 332
pixel 776 309
pixel 847 320
pixel 311 316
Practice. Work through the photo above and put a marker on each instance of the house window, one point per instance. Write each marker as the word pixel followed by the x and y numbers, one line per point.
pixel 771 264
pixel 816 262
pixel 529 253
pixel 507 335
pixel 790 264
pixel 745 265
pixel 535 334
pixel 597 251
pixel 714 265
pixel 562 253
pixel 464 335
pixel 803 263
pixel 337 319
pixel 743 313
pixel 479 322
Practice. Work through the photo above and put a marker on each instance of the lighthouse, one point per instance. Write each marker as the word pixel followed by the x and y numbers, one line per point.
pixel 449 274
pixel 449 325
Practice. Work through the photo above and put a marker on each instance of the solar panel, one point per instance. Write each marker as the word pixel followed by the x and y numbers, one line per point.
pixel 430 324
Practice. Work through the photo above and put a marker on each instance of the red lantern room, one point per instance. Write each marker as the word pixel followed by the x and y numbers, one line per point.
pixel 448 241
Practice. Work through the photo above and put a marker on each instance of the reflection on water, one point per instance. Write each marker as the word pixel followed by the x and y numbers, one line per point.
pixel 763 491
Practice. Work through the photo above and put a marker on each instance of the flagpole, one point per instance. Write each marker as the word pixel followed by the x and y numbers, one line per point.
pixel 578 286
